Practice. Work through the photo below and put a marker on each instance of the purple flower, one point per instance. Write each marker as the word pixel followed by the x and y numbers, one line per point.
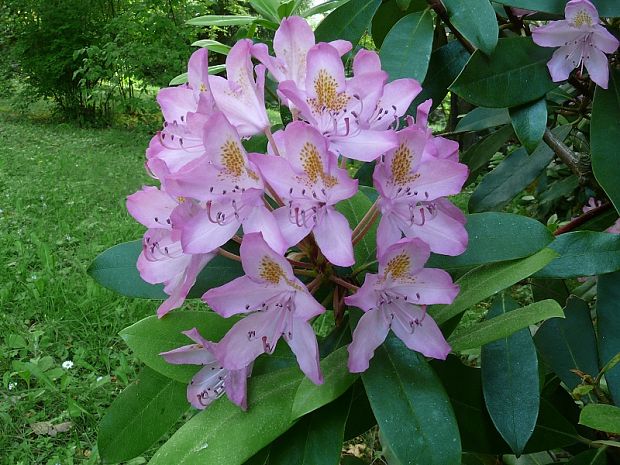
pixel 279 305
pixel 582 41
pixel 396 299
pixel 212 380
pixel 162 259
pixel 412 183
pixel 307 179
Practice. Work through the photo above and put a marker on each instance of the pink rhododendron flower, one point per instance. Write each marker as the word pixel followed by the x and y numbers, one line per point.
pixel 396 299
pixel 291 43
pixel 583 41
pixel 307 179
pixel 229 191
pixel 279 306
pixel 240 97
pixel 411 185
pixel 162 259
pixel 212 380
pixel 333 104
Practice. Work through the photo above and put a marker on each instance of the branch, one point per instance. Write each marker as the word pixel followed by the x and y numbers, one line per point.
pixel 565 154
pixel 582 219
pixel 443 14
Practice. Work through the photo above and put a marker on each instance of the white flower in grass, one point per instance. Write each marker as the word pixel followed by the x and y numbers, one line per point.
pixel 67 364
pixel 12 386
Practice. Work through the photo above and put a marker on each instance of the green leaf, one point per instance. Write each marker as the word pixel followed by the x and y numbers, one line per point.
pixel 225 434
pixel 583 253
pixel 116 269
pixel 478 434
pixel 268 9
pixel 406 50
pixel 221 20
pixel 478 155
pixel 354 210
pixel 316 439
pixel 513 175
pixel 514 74
pixel 388 14
pixel 529 122
pixel 492 239
pixel 445 65
pixel 323 7
pixel 212 45
pixel 476 20
pixel 504 325
pixel 411 406
pixel 569 344
pixel 347 22
pixel 605 137
pixel 483 118
pixel 601 417
pixel 510 380
pixel 151 336
pixel 180 79
pixel 337 380
pixel 140 415
pixel 608 326
pixel 606 8
pixel 486 280
pixel 589 457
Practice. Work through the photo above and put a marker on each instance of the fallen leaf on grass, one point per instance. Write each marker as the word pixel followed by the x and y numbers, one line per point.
pixel 46 428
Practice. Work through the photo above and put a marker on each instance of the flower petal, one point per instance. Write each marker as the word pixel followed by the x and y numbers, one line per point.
pixel 236 387
pixel 556 34
pixel 262 220
pixel 333 236
pixel 581 13
pixel 604 40
pixel 426 337
pixel 370 332
pixel 199 234
pixel 303 343
pixel 431 286
pixel 403 259
pixel 241 295
pixel 261 263
pixel 365 297
pixel 365 144
pixel 151 207
pixel 597 65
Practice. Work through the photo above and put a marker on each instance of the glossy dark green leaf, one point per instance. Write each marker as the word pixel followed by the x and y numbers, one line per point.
pixel 608 326
pixel 218 272
pixel 504 325
pixel 411 406
pixel 486 280
pixel 260 458
pixel 609 8
pixel 529 122
pixel 569 344
pixel 445 65
pixel 514 74
pixel 348 21
pixel 116 269
pixel 406 50
pixel 483 118
pixel 150 336
pixel 562 188
pixel 464 387
pixel 140 415
pixel 583 253
pixel 354 209
pixel 512 175
pixel 510 380
pixel 601 417
pixel 388 14
pixel 478 155
pixel 476 20
pixel 589 457
pixel 337 380
pixel 360 418
pixel 492 239
pixel 316 439
pixel 225 434
pixel 605 137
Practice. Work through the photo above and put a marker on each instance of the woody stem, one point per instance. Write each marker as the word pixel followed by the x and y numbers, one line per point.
pixel 365 223
pixel 227 254
pixel 343 283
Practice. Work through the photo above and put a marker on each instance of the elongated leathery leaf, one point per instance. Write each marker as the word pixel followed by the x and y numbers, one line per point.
pixel 140 415
pixel 348 21
pixel 601 417
pixel 514 74
pixel 486 280
pixel 510 380
pixel 513 175
pixel 225 434
pixel 476 20
pixel 506 324
pixel 483 118
pixel 569 344
pixel 150 336
pixel 590 457
pixel 492 239
pixel 406 50
pixel 605 8
pixel 529 122
pixel 583 253
pixel 221 20
pixel 411 406
pixel 388 14
pixel 608 325
pixel 478 155
pixel 605 137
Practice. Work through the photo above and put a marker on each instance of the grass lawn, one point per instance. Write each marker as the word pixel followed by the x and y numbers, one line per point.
pixel 62 192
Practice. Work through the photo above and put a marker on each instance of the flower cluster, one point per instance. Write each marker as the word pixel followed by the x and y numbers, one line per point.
pixel 280 206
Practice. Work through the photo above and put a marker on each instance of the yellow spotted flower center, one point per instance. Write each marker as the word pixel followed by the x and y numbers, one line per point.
pixel 313 165
pixel 270 271
pixel 401 166
pixel 398 266
pixel 234 161
pixel 582 18
pixel 327 95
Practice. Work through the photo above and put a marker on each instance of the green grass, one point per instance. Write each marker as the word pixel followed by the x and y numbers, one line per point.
pixel 62 192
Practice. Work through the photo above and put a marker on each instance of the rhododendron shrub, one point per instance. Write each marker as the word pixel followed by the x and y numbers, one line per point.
pixel 334 248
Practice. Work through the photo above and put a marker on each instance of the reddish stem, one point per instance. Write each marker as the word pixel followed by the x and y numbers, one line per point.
pixel 582 219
